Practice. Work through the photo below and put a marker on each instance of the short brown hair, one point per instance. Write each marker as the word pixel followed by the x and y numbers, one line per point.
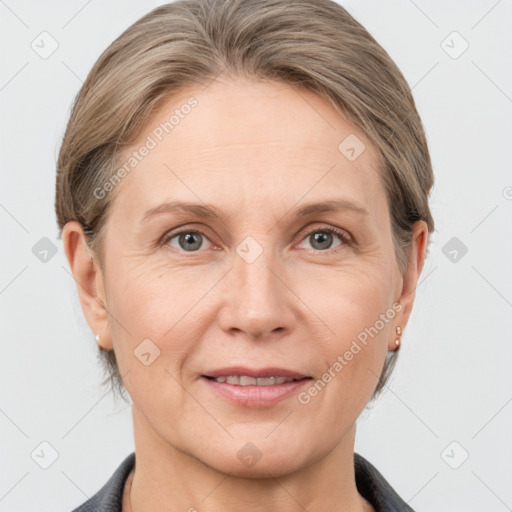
pixel 316 45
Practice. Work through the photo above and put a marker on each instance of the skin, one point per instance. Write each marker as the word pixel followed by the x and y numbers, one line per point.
pixel 255 151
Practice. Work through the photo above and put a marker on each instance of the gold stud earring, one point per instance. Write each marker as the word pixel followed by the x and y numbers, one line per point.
pixel 398 333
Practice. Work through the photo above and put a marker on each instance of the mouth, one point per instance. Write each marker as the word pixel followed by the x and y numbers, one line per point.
pixel 254 387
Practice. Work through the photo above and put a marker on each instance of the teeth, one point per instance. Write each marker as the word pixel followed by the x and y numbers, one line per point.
pixel 245 380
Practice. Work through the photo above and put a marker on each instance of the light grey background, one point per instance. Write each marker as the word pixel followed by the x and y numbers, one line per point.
pixel 453 380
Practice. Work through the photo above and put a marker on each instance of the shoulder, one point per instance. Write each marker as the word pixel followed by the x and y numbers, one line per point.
pixel 372 485
pixel 109 497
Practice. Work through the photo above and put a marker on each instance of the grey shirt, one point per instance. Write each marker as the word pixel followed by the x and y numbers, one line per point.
pixel 369 482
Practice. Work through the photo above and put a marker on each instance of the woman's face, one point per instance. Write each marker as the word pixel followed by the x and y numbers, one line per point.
pixel 264 284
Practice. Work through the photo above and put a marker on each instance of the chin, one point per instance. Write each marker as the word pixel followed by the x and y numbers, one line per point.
pixel 266 467
pixel 260 458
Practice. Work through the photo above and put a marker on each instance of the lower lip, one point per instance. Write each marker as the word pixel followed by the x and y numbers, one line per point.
pixel 256 396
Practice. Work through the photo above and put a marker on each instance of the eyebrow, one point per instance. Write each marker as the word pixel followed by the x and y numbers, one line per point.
pixel 211 212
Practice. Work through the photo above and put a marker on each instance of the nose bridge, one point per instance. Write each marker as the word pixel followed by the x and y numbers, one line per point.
pixel 256 282
pixel 258 299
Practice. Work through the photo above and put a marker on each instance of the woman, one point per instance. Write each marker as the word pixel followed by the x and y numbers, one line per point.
pixel 243 191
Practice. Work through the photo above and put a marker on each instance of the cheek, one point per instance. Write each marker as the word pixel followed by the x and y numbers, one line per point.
pixel 153 335
pixel 357 307
pixel 347 299
pixel 153 296
pixel 157 303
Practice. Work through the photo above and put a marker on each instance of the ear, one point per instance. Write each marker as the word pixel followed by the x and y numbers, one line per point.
pixel 89 281
pixel 410 277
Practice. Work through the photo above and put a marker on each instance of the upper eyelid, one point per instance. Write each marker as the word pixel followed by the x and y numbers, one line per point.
pixel 342 233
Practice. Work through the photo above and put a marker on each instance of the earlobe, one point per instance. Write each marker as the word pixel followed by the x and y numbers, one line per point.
pixel 89 281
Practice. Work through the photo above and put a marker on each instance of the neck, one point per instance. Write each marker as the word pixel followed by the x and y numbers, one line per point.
pixel 166 478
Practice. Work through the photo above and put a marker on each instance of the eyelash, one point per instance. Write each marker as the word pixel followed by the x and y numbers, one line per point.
pixel 327 229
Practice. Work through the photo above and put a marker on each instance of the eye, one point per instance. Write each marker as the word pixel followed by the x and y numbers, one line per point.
pixel 192 240
pixel 187 240
pixel 321 238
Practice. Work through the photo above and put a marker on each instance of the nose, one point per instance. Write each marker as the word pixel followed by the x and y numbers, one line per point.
pixel 258 302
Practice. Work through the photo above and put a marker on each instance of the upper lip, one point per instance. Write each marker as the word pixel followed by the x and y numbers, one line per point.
pixel 254 372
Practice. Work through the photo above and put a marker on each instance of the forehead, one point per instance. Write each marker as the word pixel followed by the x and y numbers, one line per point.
pixel 242 142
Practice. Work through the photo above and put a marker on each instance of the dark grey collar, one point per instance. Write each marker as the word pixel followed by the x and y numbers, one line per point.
pixel 373 487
